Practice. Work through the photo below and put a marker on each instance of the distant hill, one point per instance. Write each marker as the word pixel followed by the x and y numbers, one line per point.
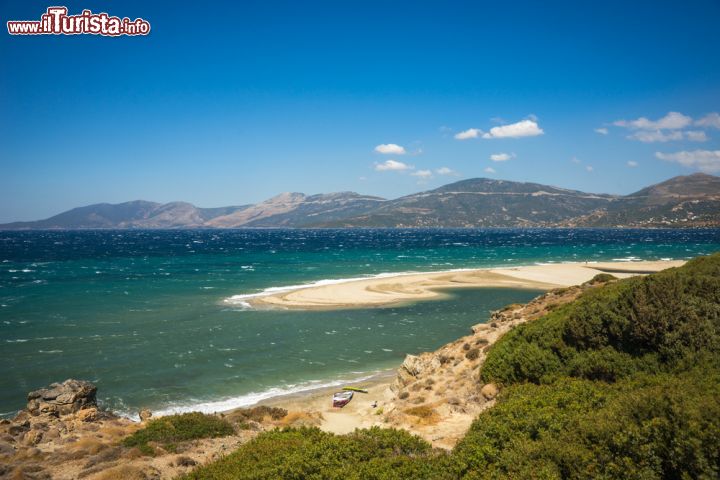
pixel 297 209
pixel 136 214
pixel 481 202
pixel 692 200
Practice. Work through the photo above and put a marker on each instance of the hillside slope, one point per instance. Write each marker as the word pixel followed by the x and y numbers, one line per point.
pixel 481 202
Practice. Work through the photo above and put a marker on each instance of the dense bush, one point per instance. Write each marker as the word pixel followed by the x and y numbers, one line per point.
pixel 601 278
pixel 651 324
pixel 309 453
pixel 170 430
pixel 652 427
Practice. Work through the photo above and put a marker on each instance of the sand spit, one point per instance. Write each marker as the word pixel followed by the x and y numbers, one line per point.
pixel 393 290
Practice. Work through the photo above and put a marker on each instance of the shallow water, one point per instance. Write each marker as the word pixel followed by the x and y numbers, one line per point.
pixel 141 313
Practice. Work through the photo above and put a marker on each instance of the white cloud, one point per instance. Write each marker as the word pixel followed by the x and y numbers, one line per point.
pixel 589 168
pixel 575 160
pixel 601 131
pixel 390 149
pixel 650 136
pixel 422 174
pixel 469 133
pixel 490 170
pixel 671 121
pixel 711 120
pixel 445 171
pixel 704 160
pixel 523 128
pixel 392 165
pixel 632 164
pixel 501 157
pixel 696 136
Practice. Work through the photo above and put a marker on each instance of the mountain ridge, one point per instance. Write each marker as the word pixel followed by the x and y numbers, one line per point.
pixel 691 200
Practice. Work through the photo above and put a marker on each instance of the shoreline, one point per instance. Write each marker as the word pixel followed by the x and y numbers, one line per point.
pixel 392 289
pixel 407 287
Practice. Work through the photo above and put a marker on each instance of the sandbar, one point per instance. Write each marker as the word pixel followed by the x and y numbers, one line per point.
pixel 402 288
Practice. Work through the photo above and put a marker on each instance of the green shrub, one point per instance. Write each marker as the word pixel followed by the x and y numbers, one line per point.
pixel 601 278
pixel 473 354
pixel 308 453
pixel 651 426
pixel 655 323
pixel 170 430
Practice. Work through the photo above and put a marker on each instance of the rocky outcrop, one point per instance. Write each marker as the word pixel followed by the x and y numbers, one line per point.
pixel 63 398
pixel 145 415
pixel 64 435
pixel 412 366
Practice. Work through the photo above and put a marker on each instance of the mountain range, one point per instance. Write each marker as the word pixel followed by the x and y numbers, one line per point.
pixel 683 201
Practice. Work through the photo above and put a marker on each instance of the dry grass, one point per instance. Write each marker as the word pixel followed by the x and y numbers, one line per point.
pixel 117 432
pixel 86 447
pixel 125 472
pixel 425 414
pixel 297 419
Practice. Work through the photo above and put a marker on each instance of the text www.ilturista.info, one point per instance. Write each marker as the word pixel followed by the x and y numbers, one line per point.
pixel 56 21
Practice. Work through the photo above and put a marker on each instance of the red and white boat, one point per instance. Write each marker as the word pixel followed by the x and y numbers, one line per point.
pixel 340 399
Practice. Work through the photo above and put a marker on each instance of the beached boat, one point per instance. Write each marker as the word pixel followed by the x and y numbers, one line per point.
pixel 340 399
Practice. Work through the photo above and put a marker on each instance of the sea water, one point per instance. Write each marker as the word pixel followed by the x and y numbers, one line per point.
pixel 143 313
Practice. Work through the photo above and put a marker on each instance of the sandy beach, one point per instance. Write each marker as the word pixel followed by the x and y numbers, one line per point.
pixel 359 413
pixel 393 290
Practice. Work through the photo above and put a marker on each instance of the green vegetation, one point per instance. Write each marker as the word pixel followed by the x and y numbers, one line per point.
pixel 308 453
pixel 622 383
pixel 653 426
pixel 654 324
pixel 170 430
pixel 601 278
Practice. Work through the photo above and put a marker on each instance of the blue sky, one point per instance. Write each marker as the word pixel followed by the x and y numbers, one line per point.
pixel 227 103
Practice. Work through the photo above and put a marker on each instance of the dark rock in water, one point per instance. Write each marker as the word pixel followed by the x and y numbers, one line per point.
pixel 62 398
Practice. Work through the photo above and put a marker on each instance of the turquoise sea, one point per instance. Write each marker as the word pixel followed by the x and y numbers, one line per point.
pixel 142 313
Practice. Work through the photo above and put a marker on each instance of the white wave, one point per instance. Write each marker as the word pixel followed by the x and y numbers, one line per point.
pixel 627 259
pixel 252 397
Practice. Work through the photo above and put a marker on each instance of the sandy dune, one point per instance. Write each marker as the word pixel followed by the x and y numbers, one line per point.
pixel 375 292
